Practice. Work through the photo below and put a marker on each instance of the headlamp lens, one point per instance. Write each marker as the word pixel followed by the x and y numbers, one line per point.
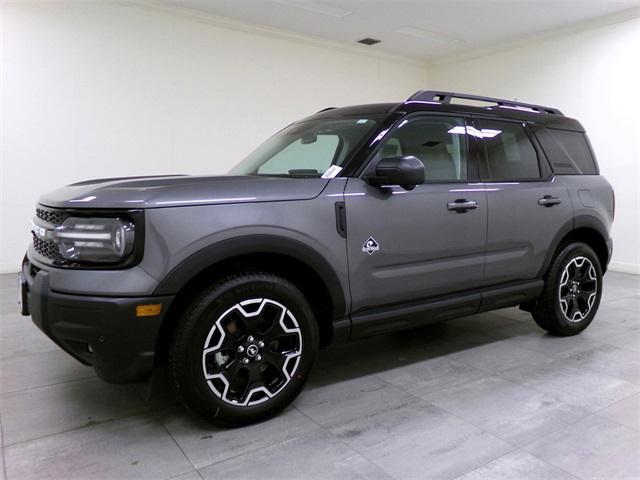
pixel 102 240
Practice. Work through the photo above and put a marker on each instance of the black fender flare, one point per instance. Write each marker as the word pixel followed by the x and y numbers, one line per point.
pixel 580 221
pixel 199 261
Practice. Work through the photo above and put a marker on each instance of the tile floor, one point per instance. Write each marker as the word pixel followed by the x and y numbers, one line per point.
pixel 482 397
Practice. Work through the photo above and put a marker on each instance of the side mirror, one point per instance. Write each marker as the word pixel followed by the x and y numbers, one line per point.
pixel 404 171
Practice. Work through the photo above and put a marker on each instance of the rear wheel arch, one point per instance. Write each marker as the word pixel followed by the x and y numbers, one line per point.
pixel 296 262
pixel 594 239
pixel 586 229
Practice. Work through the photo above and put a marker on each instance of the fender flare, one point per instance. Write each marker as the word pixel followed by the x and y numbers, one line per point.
pixel 580 221
pixel 199 261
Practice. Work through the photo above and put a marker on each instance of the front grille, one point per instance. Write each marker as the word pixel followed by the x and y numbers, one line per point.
pixel 43 246
pixel 54 217
pixel 46 249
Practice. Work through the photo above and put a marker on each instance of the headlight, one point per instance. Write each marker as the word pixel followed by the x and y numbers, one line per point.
pixel 101 240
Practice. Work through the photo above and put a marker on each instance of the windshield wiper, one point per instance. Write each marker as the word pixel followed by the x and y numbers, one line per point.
pixel 304 173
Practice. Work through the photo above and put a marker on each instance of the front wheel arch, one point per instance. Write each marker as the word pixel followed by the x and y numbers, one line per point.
pixel 302 275
pixel 232 251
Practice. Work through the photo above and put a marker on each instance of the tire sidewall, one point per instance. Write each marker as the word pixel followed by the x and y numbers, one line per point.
pixel 210 306
pixel 568 253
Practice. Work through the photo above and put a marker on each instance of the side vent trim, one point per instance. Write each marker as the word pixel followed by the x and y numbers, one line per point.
pixel 341 219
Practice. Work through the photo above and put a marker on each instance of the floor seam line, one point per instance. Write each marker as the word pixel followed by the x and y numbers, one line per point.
pixel 164 427
pixel 554 466
pixel 254 450
pixel 4 458
pixel 326 429
pixel 46 385
pixel 75 429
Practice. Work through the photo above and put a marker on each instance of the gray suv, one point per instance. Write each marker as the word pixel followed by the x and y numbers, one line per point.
pixel 353 222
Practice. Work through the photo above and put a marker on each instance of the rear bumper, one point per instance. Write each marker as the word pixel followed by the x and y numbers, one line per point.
pixel 103 332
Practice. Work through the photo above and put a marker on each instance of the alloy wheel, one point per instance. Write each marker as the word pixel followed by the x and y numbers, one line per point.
pixel 251 352
pixel 578 289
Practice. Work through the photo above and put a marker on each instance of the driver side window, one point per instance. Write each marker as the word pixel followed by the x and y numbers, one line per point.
pixel 439 142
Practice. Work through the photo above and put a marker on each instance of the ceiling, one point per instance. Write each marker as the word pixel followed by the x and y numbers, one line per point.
pixel 423 30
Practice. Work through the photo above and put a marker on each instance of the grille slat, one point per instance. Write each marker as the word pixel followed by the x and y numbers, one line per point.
pixel 53 217
pixel 47 249
pixel 42 246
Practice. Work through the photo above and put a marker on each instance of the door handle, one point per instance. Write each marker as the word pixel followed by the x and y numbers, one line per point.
pixel 549 201
pixel 461 205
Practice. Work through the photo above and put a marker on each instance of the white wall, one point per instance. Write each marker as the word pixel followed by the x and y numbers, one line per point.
pixel 97 89
pixel 592 74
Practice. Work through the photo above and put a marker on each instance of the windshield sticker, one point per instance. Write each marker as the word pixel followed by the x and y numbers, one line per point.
pixel 362 120
pixel 332 171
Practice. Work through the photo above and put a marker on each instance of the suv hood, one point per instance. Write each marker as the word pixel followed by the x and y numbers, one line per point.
pixel 181 190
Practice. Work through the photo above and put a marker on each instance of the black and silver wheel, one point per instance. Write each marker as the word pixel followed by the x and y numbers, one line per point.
pixel 243 349
pixel 572 291
pixel 578 289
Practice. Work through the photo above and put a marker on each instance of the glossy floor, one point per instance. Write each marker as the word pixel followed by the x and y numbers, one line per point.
pixel 482 397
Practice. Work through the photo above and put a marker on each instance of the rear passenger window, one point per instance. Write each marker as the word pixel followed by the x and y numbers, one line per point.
pixel 568 152
pixel 510 155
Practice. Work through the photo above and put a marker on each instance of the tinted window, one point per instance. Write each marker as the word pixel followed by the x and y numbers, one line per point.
pixel 438 141
pixel 568 152
pixel 510 155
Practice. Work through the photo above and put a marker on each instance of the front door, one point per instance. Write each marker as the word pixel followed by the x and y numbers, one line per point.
pixel 408 246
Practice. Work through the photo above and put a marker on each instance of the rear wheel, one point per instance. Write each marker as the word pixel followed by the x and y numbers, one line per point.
pixel 572 291
pixel 243 349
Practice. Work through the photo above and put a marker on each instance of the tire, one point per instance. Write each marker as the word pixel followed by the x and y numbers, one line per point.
pixel 243 349
pixel 572 291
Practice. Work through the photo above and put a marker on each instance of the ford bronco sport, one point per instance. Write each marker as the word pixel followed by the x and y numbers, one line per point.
pixel 353 222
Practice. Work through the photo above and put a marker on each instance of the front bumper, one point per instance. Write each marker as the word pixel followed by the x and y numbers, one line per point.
pixel 103 332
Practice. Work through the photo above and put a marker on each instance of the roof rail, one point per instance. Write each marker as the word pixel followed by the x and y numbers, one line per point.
pixel 445 97
pixel 325 109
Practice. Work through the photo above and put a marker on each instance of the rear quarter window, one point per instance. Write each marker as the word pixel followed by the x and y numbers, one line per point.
pixel 569 152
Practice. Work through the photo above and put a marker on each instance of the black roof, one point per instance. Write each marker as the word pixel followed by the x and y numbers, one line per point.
pixel 440 102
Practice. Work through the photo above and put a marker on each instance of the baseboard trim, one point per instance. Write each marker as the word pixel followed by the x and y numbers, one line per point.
pixel 623 267
pixel 6 269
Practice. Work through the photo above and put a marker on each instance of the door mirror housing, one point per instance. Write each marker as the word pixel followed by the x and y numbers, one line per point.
pixel 406 171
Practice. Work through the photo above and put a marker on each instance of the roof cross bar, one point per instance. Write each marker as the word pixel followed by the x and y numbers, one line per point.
pixel 445 97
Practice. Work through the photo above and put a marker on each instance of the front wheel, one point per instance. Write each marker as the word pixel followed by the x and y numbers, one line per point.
pixel 243 349
pixel 572 291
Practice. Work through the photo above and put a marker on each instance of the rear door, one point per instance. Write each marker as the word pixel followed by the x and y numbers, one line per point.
pixel 526 206
pixel 411 245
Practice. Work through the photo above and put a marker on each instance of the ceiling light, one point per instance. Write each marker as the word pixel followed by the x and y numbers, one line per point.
pixel 427 35
pixel 317 7
pixel 369 41
pixel 484 133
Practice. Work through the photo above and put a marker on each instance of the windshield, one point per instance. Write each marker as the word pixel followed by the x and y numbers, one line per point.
pixel 309 148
